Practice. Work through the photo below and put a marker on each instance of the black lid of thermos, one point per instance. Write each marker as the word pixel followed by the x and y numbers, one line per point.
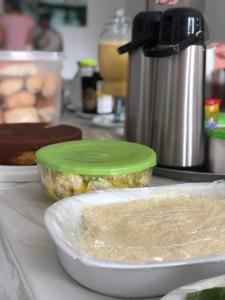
pixel 177 24
pixel 145 30
pixel 179 29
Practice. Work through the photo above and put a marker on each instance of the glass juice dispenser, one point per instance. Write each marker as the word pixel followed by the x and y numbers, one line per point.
pixel 114 67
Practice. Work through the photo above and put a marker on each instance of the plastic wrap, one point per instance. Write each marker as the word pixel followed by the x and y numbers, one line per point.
pixel 179 223
pixel 159 230
pixel 59 185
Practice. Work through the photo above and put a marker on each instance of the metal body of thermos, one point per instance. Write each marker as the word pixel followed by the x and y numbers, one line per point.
pixel 142 70
pixel 166 90
pixel 178 111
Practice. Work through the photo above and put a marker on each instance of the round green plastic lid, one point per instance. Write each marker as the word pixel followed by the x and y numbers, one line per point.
pixel 218 133
pixel 87 63
pixel 91 157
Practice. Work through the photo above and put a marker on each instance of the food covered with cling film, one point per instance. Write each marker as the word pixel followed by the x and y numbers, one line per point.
pixel 140 236
pixel 154 230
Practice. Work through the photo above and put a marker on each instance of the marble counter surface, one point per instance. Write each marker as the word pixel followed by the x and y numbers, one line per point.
pixel 30 269
pixel 89 129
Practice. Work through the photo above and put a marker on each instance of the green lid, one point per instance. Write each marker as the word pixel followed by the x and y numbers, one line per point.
pixel 87 63
pixel 92 157
pixel 218 133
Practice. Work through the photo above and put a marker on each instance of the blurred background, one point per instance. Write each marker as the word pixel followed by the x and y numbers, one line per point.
pixel 80 36
pixel 76 27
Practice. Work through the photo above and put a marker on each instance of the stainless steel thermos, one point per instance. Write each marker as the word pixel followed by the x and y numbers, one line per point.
pixel 170 92
pixel 142 77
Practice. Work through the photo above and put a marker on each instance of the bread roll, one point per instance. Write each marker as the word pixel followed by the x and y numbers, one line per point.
pixel 45 102
pixel 10 86
pixel 19 69
pixel 21 115
pixel 46 114
pixel 50 86
pixel 1 116
pixel 46 109
pixel 20 99
pixel 35 83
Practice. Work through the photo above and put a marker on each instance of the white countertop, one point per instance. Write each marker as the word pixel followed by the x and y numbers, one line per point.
pixel 89 129
pixel 28 255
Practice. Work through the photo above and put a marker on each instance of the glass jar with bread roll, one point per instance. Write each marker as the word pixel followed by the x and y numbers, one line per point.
pixel 30 87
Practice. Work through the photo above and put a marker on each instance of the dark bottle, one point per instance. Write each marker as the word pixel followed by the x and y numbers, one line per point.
pixel 89 78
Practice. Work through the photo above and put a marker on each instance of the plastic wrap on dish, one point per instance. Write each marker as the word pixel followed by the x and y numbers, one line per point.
pixel 159 225
pixel 154 230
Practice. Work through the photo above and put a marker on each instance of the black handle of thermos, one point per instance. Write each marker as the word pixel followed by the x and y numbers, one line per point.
pixel 129 47
pixel 125 48
pixel 175 49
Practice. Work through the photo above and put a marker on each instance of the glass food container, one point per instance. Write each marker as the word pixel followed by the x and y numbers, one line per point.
pixel 114 67
pixel 30 87
pixel 81 166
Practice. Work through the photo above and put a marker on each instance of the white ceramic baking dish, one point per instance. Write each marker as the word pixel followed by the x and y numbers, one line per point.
pixel 128 280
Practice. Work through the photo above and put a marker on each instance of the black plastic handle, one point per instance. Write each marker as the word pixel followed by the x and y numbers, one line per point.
pixel 129 47
pixel 175 49
pixel 125 48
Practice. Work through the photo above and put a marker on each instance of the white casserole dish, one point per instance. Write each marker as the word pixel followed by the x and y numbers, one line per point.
pixel 122 279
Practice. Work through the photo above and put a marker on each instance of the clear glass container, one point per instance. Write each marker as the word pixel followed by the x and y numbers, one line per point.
pixel 30 87
pixel 71 168
pixel 114 67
